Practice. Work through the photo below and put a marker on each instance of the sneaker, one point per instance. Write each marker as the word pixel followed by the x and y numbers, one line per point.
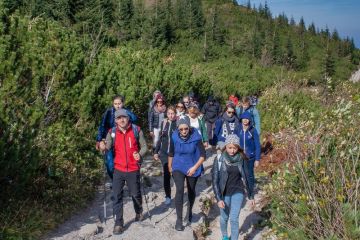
pixel 167 201
pixel 118 229
pixel 139 217
pixel 179 226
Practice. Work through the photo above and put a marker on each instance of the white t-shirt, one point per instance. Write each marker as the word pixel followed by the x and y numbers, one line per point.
pixel 195 124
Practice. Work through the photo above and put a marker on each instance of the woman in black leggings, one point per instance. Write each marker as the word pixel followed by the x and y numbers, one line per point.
pixel 186 155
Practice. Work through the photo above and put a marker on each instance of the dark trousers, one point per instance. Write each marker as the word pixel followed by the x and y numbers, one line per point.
pixel 210 131
pixel 132 180
pixel 167 178
pixel 179 178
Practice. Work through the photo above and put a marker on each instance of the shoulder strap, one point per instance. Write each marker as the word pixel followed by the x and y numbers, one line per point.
pixel 113 135
pixel 251 131
pixel 220 160
pixel 136 130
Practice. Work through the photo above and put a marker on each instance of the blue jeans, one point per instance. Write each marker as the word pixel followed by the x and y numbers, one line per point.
pixel 232 209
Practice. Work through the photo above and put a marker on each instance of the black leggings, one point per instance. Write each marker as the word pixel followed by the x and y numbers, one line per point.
pixel 167 178
pixel 179 178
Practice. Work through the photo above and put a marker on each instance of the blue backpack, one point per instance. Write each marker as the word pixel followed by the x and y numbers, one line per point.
pixel 109 155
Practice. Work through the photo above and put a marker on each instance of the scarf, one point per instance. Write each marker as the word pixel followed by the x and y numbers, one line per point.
pixel 232 160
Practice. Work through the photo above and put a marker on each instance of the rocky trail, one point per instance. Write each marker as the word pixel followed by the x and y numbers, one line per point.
pixel 90 224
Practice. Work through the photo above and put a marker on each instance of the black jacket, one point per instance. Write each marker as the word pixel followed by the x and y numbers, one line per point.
pixel 154 119
pixel 166 130
pixel 211 111
pixel 220 176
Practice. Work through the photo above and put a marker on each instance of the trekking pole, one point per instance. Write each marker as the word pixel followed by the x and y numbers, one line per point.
pixel 145 196
pixel 104 154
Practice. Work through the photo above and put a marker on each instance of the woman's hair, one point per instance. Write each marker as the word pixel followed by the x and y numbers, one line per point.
pixel 194 110
pixel 120 97
pixel 246 100
pixel 172 108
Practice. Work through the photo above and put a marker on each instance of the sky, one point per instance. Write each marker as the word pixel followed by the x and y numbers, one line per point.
pixel 343 15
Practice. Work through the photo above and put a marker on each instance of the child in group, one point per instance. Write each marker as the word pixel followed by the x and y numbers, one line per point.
pixel 161 151
pixel 230 179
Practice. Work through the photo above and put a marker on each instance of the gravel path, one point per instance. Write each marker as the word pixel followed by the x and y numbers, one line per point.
pixel 88 224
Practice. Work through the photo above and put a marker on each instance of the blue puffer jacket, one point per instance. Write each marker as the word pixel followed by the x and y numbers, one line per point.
pixel 255 116
pixel 186 153
pixel 249 139
pixel 108 122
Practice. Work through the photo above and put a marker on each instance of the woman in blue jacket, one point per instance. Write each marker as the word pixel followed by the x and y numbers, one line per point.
pixel 186 155
pixel 250 143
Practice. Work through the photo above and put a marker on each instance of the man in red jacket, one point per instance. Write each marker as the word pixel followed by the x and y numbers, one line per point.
pixel 129 147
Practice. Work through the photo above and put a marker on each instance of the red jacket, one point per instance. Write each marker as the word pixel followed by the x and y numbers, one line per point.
pixel 124 147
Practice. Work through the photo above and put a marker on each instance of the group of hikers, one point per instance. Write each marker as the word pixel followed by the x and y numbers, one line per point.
pixel 180 134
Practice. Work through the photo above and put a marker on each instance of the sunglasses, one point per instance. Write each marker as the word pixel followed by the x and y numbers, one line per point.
pixel 183 129
pixel 230 112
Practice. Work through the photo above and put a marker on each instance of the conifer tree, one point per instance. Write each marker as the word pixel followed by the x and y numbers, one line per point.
pixel 312 29
pixel 290 58
pixel 125 19
pixel 218 35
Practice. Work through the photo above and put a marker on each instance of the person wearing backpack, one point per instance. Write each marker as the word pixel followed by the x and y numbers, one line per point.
pixel 230 179
pixel 246 106
pixel 163 147
pixel 127 143
pixel 108 119
pixel 197 122
pixel 250 143
pixel 156 116
pixel 226 125
pixel 212 111
pixel 186 155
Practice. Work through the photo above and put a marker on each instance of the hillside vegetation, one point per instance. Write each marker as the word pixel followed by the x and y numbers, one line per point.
pixel 62 62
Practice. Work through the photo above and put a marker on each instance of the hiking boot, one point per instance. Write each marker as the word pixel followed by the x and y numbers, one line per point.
pixel 139 217
pixel 118 229
pixel 167 201
pixel 179 226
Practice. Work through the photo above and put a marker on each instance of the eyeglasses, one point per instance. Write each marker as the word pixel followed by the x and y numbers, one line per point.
pixel 230 112
pixel 183 129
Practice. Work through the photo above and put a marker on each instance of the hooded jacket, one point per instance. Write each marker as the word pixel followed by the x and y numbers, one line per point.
pixel 254 113
pixel 108 122
pixel 211 110
pixel 249 139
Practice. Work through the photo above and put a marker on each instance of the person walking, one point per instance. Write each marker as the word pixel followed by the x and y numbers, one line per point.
pixel 197 122
pixel 108 119
pixel 226 125
pixel 212 111
pixel 186 155
pixel 162 149
pixel 246 106
pixel 128 145
pixel 156 116
pixel 230 181
pixel 250 143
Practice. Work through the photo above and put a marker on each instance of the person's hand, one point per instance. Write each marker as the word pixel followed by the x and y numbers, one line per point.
pixel 170 169
pixel 136 156
pixel 156 157
pixel 97 146
pixel 102 146
pixel 206 144
pixel 152 134
pixel 191 171
pixel 252 203
pixel 221 204
pixel 256 164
